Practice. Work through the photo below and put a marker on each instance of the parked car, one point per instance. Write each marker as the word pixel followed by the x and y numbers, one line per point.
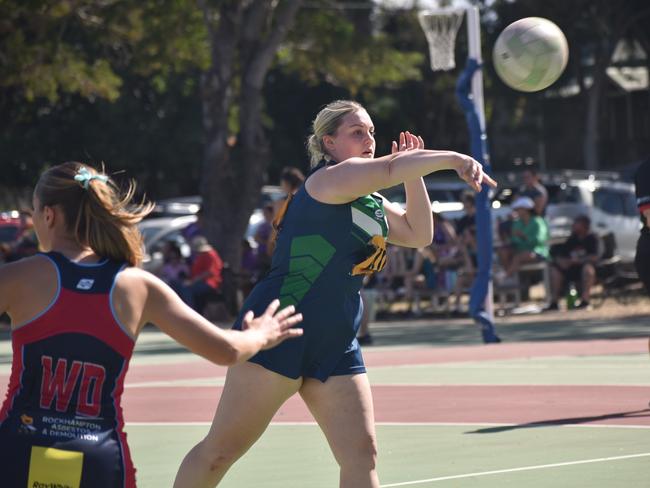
pixel 158 230
pixel 607 200
pixel 611 205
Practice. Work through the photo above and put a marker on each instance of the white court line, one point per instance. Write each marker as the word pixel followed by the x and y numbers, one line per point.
pixel 523 468
pixel 401 424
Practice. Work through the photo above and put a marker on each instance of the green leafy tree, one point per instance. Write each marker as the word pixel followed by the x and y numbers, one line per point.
pixel 94 81
pixel 121 81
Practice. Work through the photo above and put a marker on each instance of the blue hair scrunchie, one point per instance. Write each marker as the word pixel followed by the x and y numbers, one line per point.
pixel 84 176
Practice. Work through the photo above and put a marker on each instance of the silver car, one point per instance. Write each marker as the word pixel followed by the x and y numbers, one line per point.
pixel 610 204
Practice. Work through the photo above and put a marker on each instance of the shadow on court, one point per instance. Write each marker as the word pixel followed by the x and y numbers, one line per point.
pixel 559 422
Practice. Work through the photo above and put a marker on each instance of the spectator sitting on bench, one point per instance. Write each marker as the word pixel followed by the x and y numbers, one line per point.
pixel 574 262
pixel 528 241
pixel 205 275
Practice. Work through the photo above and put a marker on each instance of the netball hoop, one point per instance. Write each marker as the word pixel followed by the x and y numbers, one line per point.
pixel 440 28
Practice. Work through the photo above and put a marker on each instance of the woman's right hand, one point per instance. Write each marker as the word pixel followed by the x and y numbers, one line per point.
pixel 471 171
pixel 274 327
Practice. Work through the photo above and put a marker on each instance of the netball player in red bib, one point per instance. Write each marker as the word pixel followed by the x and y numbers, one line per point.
pixel 76 310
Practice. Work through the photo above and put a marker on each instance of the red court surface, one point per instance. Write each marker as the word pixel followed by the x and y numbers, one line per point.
pixel 160 393
pixel 614 405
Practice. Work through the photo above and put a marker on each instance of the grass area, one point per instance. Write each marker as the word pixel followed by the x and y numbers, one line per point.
pixel 297 456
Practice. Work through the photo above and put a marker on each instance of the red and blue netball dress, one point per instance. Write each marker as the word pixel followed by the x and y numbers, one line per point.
pixel 321 254
pixel 61 423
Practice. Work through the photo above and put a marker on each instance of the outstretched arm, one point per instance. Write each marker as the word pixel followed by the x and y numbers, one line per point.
pixel 356 177
pixel 165 309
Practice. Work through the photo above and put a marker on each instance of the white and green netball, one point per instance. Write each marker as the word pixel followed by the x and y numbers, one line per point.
pixel 530 54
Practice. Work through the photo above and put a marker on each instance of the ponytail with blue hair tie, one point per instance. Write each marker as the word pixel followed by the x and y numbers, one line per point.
pixel 84 176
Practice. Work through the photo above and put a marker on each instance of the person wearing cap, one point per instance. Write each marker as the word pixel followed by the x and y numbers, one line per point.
pixel 529 239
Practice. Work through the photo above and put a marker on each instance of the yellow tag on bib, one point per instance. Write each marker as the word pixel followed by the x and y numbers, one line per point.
pixel 54 467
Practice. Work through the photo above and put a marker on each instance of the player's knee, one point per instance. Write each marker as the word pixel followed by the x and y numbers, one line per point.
pixel 368 453
pixel 219 457
pixel 361 454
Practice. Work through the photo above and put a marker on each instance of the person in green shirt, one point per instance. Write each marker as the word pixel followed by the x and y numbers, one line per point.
pixel 529 237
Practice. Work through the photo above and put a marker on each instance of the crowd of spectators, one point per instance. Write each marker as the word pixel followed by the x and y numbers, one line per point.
pixel 447 267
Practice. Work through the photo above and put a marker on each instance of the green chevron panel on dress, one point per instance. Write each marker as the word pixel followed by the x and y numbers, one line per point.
pixel 309 256
pixel 368 218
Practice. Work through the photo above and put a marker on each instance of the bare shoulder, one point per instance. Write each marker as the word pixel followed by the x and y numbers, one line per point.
pixel 26 268
pixel 30 277
pixel 136 283
pixel 132 278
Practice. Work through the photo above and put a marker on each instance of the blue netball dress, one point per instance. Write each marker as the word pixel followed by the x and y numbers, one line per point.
pixel 322 252
pixel 61 423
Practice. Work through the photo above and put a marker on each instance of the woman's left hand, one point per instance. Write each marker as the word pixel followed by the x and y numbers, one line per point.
pixel 407 142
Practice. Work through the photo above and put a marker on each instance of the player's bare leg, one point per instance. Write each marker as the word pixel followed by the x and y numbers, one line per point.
pixel 343 408
pixel 250 398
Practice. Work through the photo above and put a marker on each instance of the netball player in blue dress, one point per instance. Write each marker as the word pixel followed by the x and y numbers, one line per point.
pixel 76 310
pixel 333 232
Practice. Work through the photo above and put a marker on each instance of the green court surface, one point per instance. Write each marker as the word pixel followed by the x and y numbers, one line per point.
pixel 297 456
pixel 629 369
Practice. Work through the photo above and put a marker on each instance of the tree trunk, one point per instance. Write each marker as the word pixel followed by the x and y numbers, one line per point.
pixel 221 208
pixel 592 124
pixel 243 46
